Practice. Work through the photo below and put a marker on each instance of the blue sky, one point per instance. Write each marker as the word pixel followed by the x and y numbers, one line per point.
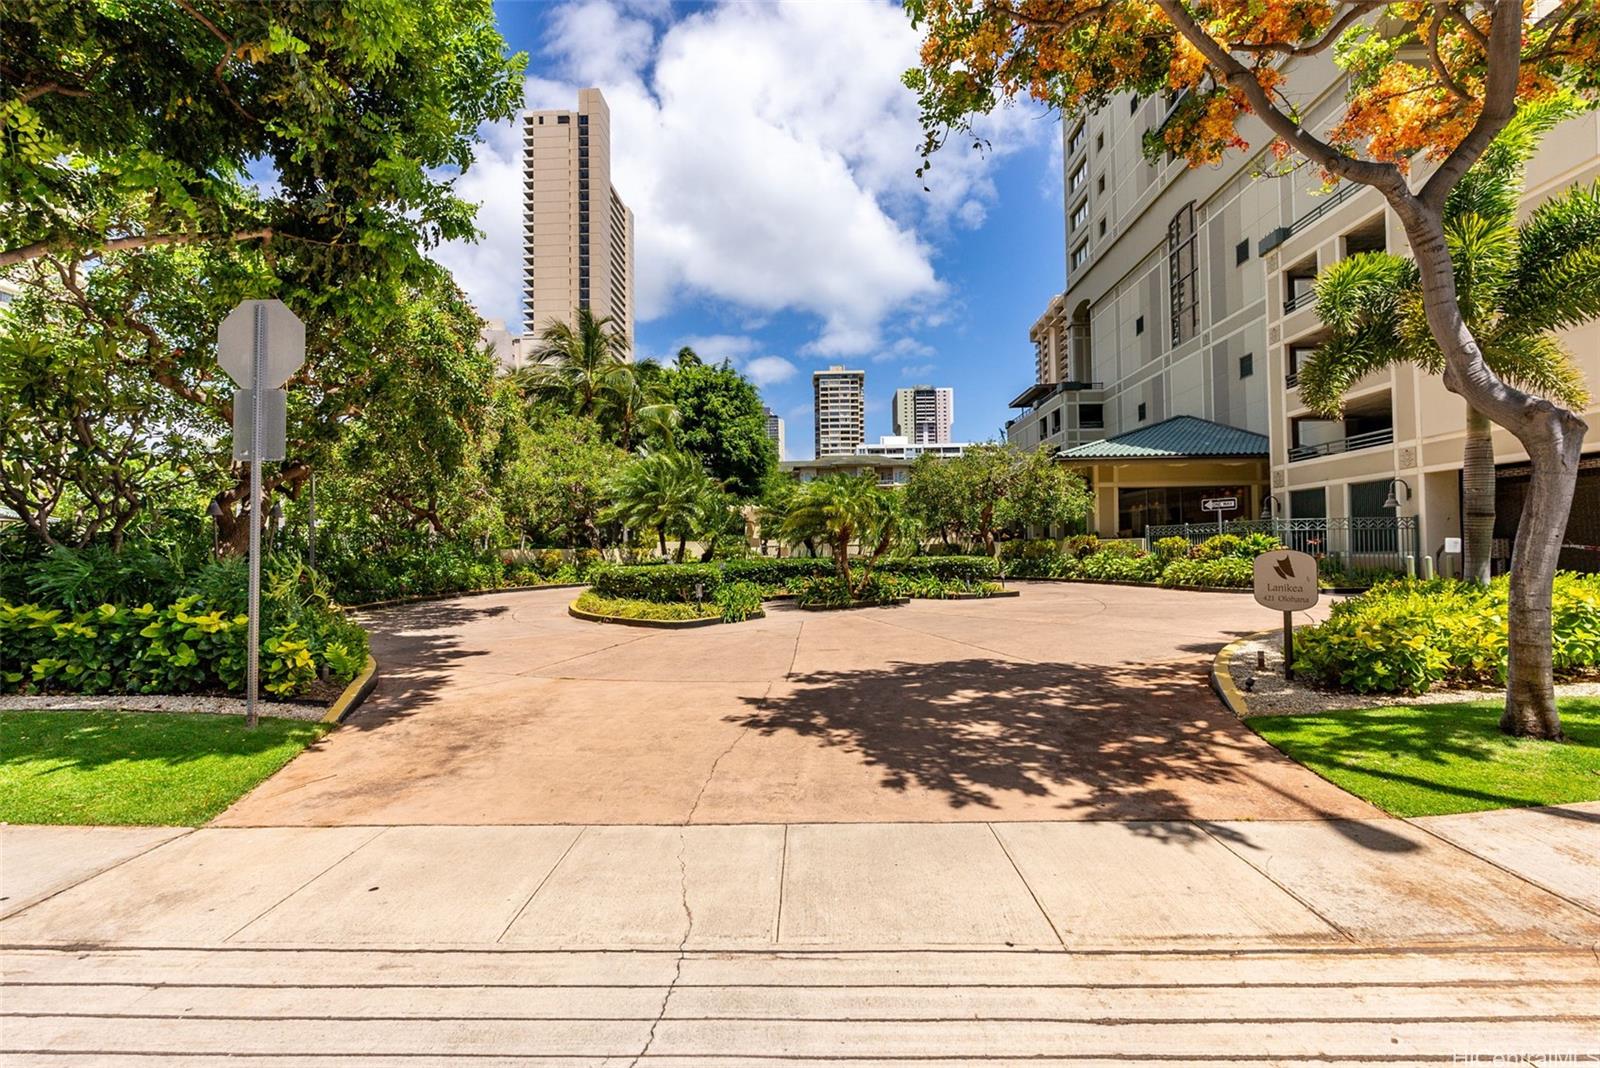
pixel 769 154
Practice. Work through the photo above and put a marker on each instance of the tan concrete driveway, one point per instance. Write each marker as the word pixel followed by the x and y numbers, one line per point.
pixel 1072 702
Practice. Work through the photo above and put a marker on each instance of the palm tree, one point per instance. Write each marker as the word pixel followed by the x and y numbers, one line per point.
pixel 577 364
pixel 1517 284
pixel 634 403
pixel 841 510
pixel 665 491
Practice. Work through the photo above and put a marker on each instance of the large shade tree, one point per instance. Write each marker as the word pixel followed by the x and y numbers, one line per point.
pixel 1372 304
pixel 140 123
pixel 1430 82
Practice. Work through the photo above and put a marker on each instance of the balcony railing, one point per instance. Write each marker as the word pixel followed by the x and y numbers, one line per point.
pixel 1300 300
pixel 1368 440
pixel 1291 380
pixel 1278 235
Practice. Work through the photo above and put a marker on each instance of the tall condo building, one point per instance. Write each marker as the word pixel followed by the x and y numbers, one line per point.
pixel 841 407
pixel 774 428
pixel 577 233
pixel 923 414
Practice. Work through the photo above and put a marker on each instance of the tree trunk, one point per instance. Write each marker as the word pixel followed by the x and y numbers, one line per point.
pixel 1553 439
pixel 661 537
pixel 1530 684
pixel 1477 496
pixel 683 544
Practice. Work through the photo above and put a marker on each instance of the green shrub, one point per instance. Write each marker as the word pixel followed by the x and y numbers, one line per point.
pixel 1247 547
pixel 1082 545
pixel 1413 636
pixel 1224 571
pixel 774 574
pixel 628 608
pixel 657 582
pixel 1115 563
pixel 738 601
pixel 184 647
pixel 1170 549
pixel 830 590
pixel 958 568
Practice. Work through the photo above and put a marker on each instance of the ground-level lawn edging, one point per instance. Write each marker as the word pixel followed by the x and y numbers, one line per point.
pixel 892 602
pixel 660 624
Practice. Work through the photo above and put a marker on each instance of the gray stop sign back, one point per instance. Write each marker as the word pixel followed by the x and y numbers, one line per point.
pixel 285 343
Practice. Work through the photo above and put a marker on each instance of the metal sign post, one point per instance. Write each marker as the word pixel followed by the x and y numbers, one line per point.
pixel 260 344
pixel 1286 580
pixel 1219 505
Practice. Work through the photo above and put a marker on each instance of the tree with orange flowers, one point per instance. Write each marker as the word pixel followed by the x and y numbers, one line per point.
pixel 1428 83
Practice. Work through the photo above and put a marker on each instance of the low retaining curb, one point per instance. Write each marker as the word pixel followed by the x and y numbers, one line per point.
pixel 660 624
pixel 355 693
pixel 973 596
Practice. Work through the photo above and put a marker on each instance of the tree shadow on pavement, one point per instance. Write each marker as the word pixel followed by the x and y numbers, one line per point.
pixel 1134 742
pixel 418 649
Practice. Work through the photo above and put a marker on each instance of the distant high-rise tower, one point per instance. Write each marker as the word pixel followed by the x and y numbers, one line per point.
pixel 577 234
pixel 774 428
pixel 923 414
pixel 841 408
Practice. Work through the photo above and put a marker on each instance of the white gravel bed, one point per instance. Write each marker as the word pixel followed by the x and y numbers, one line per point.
pixel 180 704
pixel 1272 695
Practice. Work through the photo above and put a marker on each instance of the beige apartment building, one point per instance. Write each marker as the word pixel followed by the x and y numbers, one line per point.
pixel 839 398
pixel 924 414
pixel 577 232
pixel 1165 370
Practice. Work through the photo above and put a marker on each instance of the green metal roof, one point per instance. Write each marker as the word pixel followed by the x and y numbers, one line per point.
pixel 1182 436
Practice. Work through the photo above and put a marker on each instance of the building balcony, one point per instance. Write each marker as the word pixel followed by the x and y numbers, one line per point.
pixel 1367 440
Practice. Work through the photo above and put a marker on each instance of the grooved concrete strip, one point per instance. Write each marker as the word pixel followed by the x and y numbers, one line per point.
pixel 35 862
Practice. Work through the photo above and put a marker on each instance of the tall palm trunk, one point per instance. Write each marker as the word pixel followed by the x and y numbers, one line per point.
pixel 1477 497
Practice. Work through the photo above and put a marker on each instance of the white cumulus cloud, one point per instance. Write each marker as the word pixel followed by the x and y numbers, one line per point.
pixel 769 154
pixel 767 370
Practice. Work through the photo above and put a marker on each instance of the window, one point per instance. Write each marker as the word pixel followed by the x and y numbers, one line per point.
pixel 1100 185
pixel 1079 176
pixel 1099 142
pixel 1055 421
pixel 1183 275
pixel 1366 502
pixel 1247 365
pixel 1102 228
pixel 1080 214
pixel 1133 105
pixel 1080 255
pixel 1141 411
pixel 1091 416
pixel 1138 326
pixel 1241 252
pixel 1076 141
pixel 564 120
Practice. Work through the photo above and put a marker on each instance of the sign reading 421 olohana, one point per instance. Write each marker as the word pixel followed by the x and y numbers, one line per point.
pixel 1286 580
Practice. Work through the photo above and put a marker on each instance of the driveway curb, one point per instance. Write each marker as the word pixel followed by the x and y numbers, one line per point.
pixel 422 598
pixel 659 624
pixel 355 693
pixel 1222 678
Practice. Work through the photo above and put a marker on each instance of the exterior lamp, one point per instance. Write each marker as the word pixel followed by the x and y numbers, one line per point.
pixel 1393 501
pixel 1269 507
pixel 215 511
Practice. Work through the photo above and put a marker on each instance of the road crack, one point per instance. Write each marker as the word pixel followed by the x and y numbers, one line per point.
pixel 688 929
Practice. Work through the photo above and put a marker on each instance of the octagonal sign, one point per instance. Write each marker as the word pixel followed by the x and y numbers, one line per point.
pixel 283 336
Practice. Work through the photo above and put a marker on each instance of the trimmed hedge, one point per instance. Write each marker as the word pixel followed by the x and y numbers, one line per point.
pixel 774 574
pixel 656 582
pixel 1235 571
pixel 629 608
pixel 949 568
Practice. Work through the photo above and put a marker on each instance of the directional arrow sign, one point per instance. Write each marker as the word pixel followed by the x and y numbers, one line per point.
pixel 282 336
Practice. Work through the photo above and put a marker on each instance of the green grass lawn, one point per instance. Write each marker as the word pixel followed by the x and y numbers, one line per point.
pixel 133 767
pixel 1427 760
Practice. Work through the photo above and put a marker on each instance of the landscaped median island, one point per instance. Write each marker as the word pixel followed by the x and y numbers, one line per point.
pixel 137 768
pixel 1440 646
pixel 735 589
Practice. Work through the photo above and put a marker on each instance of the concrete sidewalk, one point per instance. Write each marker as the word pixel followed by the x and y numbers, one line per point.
pixel 959 943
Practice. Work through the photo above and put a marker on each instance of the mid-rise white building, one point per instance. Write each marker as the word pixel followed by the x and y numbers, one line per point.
pixel 577 232
pixel 923 414
pixel 839 397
